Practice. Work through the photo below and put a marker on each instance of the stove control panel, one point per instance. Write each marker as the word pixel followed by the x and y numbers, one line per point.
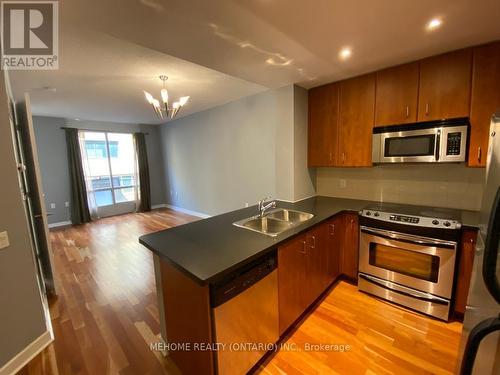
pixel 420 221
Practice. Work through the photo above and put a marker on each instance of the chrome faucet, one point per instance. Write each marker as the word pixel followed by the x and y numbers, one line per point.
pixel 263 207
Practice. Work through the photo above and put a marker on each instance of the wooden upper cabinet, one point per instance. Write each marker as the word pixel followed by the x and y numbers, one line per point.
pixel 356 119
pixel 323 117
pixel 397 95
pixel 445 86
pixel 485 100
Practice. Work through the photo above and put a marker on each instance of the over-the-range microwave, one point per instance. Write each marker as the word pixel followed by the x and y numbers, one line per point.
pixel 429 142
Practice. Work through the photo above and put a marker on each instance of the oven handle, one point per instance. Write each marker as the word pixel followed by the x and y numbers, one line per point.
pixel 417 295
pixel 420 240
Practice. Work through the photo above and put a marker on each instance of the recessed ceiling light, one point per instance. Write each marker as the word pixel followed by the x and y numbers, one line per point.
pixel 434 24
pixel 345 53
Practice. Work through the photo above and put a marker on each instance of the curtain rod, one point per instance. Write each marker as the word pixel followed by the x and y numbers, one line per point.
pixel 102 131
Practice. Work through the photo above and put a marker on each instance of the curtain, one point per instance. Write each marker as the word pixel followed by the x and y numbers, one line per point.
pixel 142 163
pixel 79 203
pixel 88 178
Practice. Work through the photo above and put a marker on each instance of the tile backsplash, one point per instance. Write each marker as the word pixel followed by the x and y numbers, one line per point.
pixel 438 185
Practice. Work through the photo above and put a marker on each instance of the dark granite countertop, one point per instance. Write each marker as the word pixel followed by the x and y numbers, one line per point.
pixel 209 249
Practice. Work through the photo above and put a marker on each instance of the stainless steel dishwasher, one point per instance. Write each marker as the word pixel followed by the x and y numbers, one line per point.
pixel 245 311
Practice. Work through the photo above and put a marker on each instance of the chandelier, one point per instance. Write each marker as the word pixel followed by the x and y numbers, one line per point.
pixel 170 111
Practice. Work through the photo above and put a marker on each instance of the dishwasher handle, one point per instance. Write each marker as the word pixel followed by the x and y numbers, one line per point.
pixel 223 292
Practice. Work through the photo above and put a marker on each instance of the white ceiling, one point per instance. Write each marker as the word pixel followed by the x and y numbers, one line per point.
pixel 114 49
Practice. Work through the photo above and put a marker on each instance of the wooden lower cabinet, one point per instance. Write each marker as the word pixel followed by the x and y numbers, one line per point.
pixel 292 278
pixel 465 263
pixel 335 241
pixel 310 262
pixel 350 244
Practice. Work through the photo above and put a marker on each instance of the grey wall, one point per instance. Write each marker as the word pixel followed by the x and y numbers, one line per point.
pixel 54 163
pixel 21 314
pixel 238 153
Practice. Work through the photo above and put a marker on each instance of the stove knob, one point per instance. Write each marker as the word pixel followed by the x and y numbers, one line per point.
pixel 446 223
pixel 368 213
pixel 435 222
pixel 376 214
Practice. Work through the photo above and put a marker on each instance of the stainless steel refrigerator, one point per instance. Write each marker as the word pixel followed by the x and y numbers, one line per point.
pixel 480 345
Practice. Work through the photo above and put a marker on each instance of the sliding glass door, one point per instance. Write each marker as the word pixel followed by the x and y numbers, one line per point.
pixel 111 174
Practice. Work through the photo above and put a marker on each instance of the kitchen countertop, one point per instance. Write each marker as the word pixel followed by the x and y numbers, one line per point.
pixel 209 249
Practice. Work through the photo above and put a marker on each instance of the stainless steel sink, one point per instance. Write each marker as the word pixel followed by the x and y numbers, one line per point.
pixel 275 222
pixel 290 215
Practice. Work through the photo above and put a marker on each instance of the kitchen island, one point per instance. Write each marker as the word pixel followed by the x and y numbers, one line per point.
pixel 192 259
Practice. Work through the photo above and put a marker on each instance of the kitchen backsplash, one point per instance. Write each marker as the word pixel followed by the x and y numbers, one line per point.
pixel 438 185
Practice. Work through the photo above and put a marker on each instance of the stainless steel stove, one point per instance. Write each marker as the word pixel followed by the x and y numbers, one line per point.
pixel 407 255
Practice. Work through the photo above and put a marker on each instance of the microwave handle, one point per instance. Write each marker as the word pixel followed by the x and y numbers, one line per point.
pixel 438 144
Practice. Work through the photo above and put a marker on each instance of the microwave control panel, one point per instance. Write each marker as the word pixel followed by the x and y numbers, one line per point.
pixel 453 143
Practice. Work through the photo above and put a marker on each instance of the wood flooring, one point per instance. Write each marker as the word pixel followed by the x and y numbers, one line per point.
pixel 106 315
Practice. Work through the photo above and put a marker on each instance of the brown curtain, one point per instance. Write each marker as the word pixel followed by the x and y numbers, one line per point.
pixel 142 161
pixel 79 204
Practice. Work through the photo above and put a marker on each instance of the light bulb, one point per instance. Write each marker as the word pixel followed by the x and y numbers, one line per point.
pixel 176 105
pixel 434 23
pixel 183 100
pixel 164 95
pixel 149 97
pixel 156 103
pixel 345 53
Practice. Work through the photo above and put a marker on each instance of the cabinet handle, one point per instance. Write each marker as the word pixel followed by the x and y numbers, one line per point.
pixel 313 246
pixel 304 248
pixel 332 229
pixel 330 156
pixel 407 111
pixel 343 157
pixel 427 107
pixel 479 154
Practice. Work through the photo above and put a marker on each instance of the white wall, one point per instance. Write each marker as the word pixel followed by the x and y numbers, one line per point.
pixel 438 185
pixel 238 153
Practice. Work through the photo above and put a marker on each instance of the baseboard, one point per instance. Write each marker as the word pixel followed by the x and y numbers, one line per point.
pixel 27 354
pixel 180 209
pixel 60 224
pixel 157 206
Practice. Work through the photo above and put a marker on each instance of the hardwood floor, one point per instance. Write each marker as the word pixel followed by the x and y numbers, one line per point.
pixel 106 315
pixel 383 339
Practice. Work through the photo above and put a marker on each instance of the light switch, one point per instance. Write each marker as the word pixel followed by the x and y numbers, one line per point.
pixel 52 206
pixel 4 240
pixel 343 183
pixel 66 204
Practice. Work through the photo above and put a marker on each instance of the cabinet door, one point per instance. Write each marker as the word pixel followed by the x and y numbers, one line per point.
pixel 356 119
pixel 317 257
pixel 445 84
pixel 397 95
pixel 485 100
pixel 465 263
pixel 323 120
pixel 292 280
pixel 335 240
pixel 350 246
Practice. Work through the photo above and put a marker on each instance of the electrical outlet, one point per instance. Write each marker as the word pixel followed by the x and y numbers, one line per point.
pixel 246 204
pixel 343 183
pixel 66 204
pixel 4 240
pixel 52 206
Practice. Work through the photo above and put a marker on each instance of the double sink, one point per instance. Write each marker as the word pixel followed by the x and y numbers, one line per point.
pixel 274 222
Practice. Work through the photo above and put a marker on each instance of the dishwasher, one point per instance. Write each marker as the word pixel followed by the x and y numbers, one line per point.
pixel 245 315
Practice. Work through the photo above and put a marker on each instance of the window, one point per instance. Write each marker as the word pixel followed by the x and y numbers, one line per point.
pixel 111 179
pixel 98 150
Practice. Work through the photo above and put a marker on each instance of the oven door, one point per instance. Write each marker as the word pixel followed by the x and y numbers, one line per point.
pixel 412 146
pixel 416 262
